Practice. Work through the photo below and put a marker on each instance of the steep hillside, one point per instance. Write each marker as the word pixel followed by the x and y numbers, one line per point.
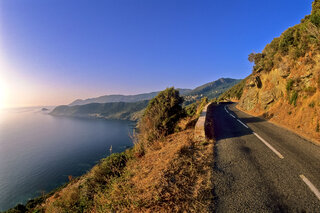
pixel 118 110
pixel 285 84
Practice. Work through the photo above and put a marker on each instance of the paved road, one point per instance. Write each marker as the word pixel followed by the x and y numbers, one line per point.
pixel 260 167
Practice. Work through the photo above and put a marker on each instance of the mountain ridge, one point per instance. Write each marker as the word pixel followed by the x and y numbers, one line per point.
pixel 120 98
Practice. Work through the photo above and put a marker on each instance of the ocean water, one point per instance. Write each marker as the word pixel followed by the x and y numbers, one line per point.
pixel 39 151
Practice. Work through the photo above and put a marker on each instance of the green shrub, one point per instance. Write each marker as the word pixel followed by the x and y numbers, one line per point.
pixel 195 108
pixel 286 40
pixel 161 115
pixel 203 103
pixel 289 85
pixel 191 109
pixel 315 6
pixel 315 19
pixel 293 98
pixel 109 167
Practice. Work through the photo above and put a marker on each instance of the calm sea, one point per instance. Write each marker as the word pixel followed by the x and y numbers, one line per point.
pixel 38 151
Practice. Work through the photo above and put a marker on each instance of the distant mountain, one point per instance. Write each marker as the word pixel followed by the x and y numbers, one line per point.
pixel 235 92
pixel 115 110
pixel 121 98
pixel 211 90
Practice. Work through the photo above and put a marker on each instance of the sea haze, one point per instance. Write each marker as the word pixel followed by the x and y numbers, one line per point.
pixel 38 151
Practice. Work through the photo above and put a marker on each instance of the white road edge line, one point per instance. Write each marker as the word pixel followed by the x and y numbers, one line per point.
pixel 243 124
pixel 232 116
pixel 311 186
pixel 268 145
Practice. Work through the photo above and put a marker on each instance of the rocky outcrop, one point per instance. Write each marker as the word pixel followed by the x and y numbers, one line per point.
pixel 266 98
pixel 249 100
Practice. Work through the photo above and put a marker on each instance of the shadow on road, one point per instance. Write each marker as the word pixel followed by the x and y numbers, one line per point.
pixel 220 125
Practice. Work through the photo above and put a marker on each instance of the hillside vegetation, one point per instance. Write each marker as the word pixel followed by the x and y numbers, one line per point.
pixel 285 84
pixel 165 171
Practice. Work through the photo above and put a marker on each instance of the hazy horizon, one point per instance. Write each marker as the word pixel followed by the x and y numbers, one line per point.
pixel 54 52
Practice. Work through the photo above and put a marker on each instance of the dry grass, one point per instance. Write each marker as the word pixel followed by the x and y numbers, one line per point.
pixel 175 175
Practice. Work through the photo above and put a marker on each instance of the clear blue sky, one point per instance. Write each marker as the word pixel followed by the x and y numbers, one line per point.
pixel 54 51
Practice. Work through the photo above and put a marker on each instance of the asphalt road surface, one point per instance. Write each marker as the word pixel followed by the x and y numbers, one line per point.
pixel 260 167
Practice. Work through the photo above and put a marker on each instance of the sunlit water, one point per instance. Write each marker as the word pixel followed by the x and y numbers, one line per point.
pixel 38 151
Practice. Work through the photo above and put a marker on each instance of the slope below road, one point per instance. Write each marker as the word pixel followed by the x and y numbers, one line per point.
pixel 260 167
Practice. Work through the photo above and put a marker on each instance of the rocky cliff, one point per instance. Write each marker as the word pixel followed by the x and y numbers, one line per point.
pixel 285 84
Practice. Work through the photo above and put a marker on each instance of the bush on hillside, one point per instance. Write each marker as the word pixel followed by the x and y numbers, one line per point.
pixel 109 167
pixel 293 98
pixel 286 40
pixel 289 85
pixel 294 43
pixel 160 116
pixel 191 109
pixel 315 14
pixel 204 101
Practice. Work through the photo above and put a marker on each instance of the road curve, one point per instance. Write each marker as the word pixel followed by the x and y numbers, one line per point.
pixel 260 167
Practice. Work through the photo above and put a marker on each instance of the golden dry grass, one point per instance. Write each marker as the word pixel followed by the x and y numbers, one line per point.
pixel 175 175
